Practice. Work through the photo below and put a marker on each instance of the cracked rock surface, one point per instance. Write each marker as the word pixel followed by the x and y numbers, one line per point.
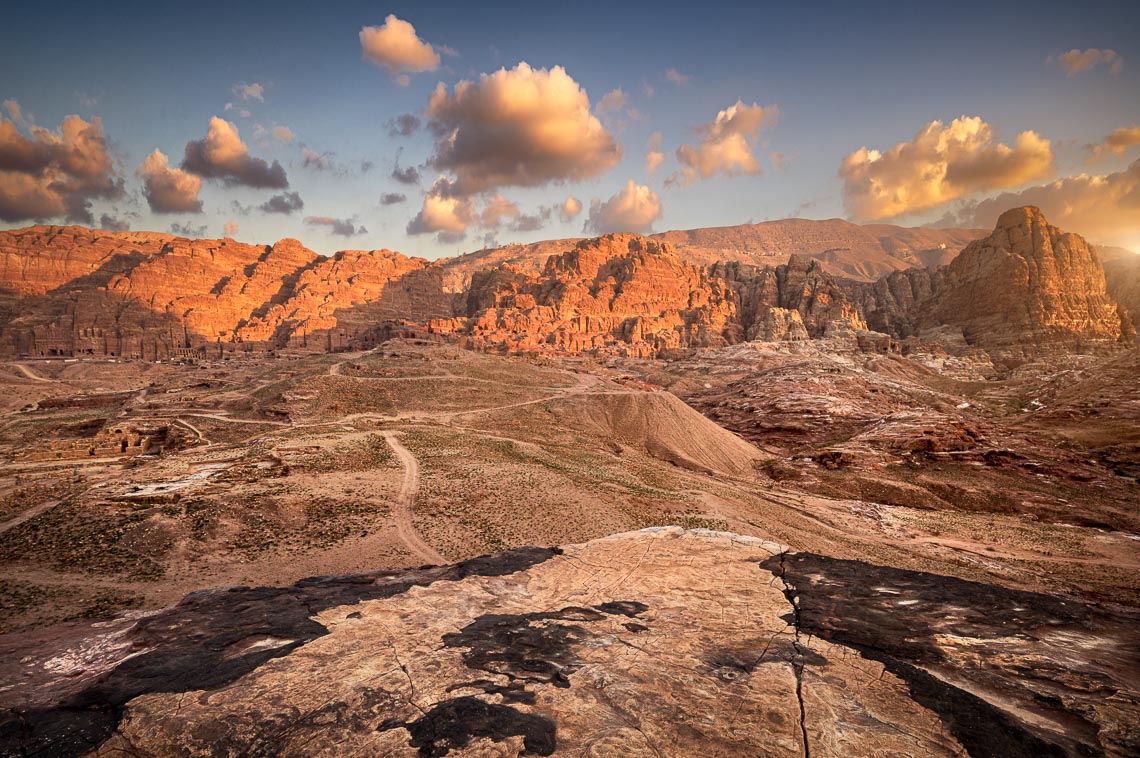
pixel 659 642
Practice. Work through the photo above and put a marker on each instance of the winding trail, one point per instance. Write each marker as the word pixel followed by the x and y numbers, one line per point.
pixel 31 374
pixel 403 513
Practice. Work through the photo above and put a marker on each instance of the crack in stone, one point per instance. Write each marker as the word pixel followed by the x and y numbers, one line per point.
pixel 797 659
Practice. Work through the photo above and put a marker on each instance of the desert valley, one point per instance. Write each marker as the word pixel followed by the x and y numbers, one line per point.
pixel 597 379
pixel 188 414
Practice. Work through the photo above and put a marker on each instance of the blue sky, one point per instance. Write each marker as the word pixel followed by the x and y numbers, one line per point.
pixel 842 76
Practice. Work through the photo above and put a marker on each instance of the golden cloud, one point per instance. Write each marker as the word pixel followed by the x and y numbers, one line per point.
pixel 726 144
pixel 222 155
pixel 942 163
pixel 396 46
pixel 1075 61
pixel 570 209
pixel 50 174
pixel 1104 208
pixel 169 190
pixel 633 209
pixel 1116 143
pixel 521 127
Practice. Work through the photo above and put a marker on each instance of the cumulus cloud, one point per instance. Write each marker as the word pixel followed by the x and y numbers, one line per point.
pixel 1075 61
pixel 230 229
pixel 396 46
pixel 222 155
pixel 521 127
pixel 392 198
pixel 611 102
pixel 1116 143
pixel 677 77
pixel 14 111
pixel 112 224
pixel 570 209
pixel 47 174
pixel 254 91
pixel 942 163
pixel 404 125
pixel 1104 208
pixel 633 209
pixel 654 158
pixel 443 214
pixel 531 222
pixel 726 144
pixel 169 190
pixel 342 227
pixel 283 134
pixel 286 202
pixel 496 209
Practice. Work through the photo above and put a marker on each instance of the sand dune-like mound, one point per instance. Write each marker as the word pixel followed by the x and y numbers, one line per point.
pixel 663 426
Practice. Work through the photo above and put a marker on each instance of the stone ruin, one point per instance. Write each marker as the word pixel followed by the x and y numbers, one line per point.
pixel 112 441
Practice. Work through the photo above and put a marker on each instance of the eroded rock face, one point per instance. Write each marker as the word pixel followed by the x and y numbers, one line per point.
pixel 629 295
pixel 1027 289
pixel 645 643
pixel 76 291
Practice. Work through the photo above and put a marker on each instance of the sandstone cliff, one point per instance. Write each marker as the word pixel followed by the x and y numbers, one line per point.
pixel 76 291
pixel 1027 289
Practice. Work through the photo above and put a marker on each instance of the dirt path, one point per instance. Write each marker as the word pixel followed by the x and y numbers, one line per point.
pixel 29 514
pixel 31 374
pixel 403 513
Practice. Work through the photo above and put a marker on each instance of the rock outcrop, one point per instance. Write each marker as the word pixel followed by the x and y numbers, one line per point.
pixel 630 295
pixel 1027 289
pixel 76 291
pixel 660 642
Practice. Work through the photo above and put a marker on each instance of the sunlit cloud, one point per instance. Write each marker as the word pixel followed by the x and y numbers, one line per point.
pixel 254 91
pixel 222 155
pixel 942 163
pixel 1116 143
pixel 47 174
pixel 519 127
pixel 283 134
pixel 676 77
pixel 1076 61
pixel 570 209
pixel 633 209
pixel 727 144
pixel 396 46
pixel 654 158
pixel 1105 208
pixel 611 102
pixel 169 190
pixel 230 229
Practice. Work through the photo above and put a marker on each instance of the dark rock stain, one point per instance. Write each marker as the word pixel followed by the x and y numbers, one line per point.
pixel 857 604
pixel 524 648
pixel 198 644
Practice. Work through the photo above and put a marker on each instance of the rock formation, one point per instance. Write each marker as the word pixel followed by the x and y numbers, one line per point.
pixel 75 291
pixel 660 642
pixel 1026 289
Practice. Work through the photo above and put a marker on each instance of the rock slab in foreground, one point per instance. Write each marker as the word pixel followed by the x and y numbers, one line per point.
pixel 661 642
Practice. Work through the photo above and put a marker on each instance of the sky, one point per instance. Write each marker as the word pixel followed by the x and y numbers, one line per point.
pixel 435 128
